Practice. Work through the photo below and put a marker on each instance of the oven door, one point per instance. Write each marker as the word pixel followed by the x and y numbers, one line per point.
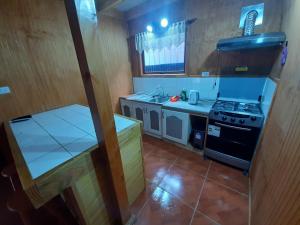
pixel 233 140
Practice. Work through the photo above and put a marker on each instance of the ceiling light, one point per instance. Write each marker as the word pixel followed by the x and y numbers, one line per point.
pixel 149 28
pixel 164 22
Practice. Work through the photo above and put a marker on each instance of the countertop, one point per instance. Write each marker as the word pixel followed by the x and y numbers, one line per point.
pixel 203 106
pixel 51 138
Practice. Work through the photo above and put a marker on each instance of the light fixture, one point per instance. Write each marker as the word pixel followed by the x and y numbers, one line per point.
pixel 164 22
pixel 149 28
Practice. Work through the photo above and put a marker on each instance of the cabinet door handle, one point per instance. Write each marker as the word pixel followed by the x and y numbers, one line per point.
pixel 162 114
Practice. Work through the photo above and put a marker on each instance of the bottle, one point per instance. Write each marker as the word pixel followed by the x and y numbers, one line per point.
pixel 183 95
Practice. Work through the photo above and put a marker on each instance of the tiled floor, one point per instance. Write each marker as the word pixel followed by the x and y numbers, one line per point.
pixel 183 189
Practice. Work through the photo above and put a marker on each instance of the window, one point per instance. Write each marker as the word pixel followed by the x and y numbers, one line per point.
pixel 163 52
pixel 166 60
pixel 87 9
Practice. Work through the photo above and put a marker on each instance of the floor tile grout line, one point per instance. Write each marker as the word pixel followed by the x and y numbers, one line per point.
pixel 206 179
pixel 144 205
pixel 177 197
pixel 227 187
pixel 145 155
pixel 203 214
pixel 173 163
pixel 157 185
pixel 161 179
pixel 199 196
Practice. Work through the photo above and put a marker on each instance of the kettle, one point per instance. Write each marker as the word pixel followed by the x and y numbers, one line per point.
pixel 193 97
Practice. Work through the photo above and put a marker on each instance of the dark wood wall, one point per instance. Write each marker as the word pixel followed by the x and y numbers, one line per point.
pixel 216 19
pixel 38 60
pixel 275 177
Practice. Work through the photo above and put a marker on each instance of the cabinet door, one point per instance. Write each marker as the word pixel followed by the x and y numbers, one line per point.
pixel 176 126
pixel 139 112
pixel 153 114
pixel 126 107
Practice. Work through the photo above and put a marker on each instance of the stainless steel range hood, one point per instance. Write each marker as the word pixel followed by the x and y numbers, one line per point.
pixel 251 42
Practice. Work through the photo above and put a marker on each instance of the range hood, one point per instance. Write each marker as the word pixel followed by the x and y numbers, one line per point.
pixel 252 41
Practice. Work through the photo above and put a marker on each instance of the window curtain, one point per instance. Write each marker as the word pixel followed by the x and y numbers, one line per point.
pixel 174 36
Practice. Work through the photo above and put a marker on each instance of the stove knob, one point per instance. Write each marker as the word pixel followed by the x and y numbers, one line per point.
pixel 224 118
pixel 216 113
pixel 232 120
pixel 242 121
pixel 253 118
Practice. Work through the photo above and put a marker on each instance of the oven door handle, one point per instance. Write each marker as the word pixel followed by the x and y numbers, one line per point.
pixel 232 127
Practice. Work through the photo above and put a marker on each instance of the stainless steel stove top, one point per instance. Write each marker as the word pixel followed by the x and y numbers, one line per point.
pixel 237 113
pixel 238 107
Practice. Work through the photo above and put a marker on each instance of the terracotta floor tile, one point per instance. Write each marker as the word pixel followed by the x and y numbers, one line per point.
pixel 193 162
pixel 147 148
pixel 180 173
pixel 156 168
pixel 148 139
pixel 143 197
pixel 185 184
pixel 164 209
pixel 163 154
pixel 229 176
pixel 159 148
pixel 200 219
pixel 223 205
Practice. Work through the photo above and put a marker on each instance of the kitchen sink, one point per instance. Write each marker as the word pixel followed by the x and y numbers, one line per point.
pixel 159 100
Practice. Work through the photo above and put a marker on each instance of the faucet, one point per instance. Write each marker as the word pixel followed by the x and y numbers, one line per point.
pixel 159 93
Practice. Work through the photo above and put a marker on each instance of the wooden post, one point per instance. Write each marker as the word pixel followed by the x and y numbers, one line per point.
pixel 97 92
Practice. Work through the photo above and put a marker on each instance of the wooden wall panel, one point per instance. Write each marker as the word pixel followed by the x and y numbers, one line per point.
pixel 135 57
pixel 216 19
pixel 275 180
pixel 38 60
pixel 115 58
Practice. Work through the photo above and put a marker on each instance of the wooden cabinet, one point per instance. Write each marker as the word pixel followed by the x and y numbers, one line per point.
pixel 139 113
pixel 126 107
pixel 149 114
pixel 172 125
pixel 153 119
pixel 176 126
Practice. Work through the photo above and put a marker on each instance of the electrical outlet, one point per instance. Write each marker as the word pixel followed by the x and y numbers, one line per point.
pixel 4 90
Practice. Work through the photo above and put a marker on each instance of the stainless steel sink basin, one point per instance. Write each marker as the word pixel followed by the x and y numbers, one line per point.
pixel 159 100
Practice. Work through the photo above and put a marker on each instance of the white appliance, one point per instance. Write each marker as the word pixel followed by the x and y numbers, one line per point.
pixel 193 97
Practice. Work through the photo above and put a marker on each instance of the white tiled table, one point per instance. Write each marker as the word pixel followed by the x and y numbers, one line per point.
pixel 51 138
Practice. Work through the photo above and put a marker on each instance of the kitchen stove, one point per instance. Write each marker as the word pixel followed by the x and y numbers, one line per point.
pixel 246 114
pixel 233 132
